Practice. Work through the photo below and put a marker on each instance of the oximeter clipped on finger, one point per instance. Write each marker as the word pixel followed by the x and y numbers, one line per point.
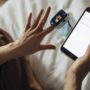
pixel 60 19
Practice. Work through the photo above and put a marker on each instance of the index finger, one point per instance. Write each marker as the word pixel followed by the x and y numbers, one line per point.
pixel 47 31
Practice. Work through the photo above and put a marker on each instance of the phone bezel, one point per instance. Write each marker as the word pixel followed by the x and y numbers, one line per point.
pixel 63 49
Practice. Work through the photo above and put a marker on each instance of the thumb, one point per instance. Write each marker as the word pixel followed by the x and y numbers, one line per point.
pixel 44 47
pixel 87 53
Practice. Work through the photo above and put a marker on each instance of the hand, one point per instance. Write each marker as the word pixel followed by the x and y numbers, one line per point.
pixel 78 71
pixel 29 42
pixel 82 65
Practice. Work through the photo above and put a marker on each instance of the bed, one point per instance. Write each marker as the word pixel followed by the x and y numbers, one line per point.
pixel 49 67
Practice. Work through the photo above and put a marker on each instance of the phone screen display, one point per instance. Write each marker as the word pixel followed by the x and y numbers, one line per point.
pixel 79 39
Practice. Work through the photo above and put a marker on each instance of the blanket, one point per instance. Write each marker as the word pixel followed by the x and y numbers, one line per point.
pixel 49 67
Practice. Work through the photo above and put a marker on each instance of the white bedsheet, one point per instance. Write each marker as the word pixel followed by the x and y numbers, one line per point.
pixel 50 67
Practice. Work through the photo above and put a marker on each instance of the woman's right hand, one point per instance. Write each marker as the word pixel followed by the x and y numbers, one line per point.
pixel 78 71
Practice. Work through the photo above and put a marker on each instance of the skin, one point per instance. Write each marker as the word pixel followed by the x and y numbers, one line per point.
pixel 30 41
pixel 77 72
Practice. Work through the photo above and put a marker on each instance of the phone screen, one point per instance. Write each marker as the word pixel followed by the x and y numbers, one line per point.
pixel 79 39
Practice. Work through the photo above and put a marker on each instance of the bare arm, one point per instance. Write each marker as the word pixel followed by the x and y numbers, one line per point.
pixel 77 72
pixel 30 41
pixel 72 82
pixel 8 52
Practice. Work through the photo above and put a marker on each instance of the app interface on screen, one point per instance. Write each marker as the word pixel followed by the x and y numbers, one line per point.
pixel 79 40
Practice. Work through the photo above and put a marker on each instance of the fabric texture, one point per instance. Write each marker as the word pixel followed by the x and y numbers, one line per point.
pixel 50 67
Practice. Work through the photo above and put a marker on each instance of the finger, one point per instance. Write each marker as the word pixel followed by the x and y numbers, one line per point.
pixel 87 50
pixel 44 19
pixel 44 47
pixel 87 53
pixel 38 19
pixel 28 22
pixel 47 31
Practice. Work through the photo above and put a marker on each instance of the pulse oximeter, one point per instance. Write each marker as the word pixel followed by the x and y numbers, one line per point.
pixel 60 19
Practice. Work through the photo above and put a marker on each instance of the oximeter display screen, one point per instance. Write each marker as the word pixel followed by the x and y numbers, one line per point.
pixel 58 18
pixel 79 39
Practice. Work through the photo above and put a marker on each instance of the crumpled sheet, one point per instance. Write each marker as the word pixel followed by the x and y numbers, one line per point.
pixel 49 67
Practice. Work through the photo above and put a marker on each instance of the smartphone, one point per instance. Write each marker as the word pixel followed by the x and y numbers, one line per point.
pixel 77 42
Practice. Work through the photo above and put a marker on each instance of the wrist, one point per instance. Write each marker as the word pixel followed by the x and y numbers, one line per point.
pixel 75 77
pixel 72 82
pixel 17 49
pixel 8 52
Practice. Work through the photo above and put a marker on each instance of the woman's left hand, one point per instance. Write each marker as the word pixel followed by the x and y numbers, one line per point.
pixel 30 41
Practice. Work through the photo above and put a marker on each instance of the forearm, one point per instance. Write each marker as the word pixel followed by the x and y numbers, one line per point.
pixel 72 82
pixel 9 52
